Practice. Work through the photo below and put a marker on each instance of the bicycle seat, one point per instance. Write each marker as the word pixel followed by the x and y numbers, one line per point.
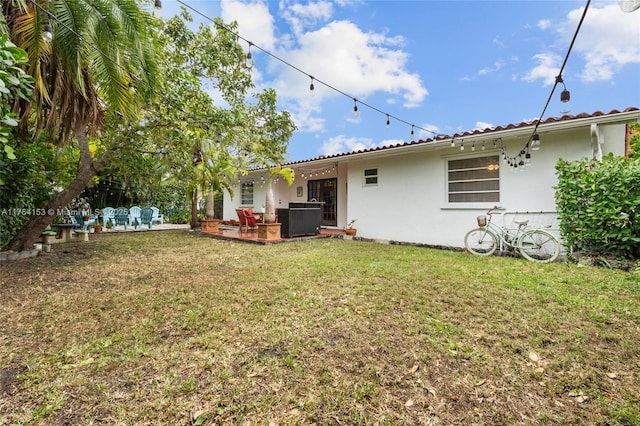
pixel 521 222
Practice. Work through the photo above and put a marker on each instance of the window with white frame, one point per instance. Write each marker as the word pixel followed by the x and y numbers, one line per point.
pixel 370 177
pixel 474 180
pixel 246 194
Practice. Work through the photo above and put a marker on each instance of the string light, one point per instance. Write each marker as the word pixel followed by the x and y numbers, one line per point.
pixel 535 142
pixel 412 133
pixel 158 4
pixel 565 95
pixel 356 114
pixel 303 72
pixel 249 61
pixel 47 34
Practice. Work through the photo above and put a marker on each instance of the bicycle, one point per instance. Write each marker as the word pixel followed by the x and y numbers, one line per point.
pixel 533 244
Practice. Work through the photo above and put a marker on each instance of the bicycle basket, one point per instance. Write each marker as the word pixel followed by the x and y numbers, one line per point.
pixel 482 220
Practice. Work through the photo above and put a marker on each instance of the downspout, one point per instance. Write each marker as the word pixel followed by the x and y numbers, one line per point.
pixel 596 143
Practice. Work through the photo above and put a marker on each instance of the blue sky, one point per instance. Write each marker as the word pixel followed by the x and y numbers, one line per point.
pixel 446 66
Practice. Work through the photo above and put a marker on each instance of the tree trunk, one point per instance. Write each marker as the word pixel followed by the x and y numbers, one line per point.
pixel 194 209
pixel 269 205
pixel 209 212
pixel 30 232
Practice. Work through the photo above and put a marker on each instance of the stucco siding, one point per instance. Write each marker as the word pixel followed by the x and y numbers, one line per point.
pixel 410 201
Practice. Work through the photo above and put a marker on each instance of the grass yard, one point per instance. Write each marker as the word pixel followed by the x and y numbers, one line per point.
pixel 176 329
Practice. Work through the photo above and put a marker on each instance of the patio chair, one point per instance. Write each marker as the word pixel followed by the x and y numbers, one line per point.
pixel 134 216
pixel 121 217
pixel 107 215
pixel 146 217
pixel 247 219
pixel 79 220
pixel 157 217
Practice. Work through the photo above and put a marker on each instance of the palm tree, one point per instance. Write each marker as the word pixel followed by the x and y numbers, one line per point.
pixel 270 207
pixel 98 52
pixel 214 172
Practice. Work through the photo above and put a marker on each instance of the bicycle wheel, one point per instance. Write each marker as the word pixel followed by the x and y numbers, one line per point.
pixel 539 246
pixel 481 241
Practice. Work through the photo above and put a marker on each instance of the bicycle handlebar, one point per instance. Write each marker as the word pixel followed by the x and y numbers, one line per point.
pixel 490 211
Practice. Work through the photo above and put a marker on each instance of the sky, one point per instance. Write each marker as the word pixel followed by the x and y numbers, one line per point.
pixel 444 67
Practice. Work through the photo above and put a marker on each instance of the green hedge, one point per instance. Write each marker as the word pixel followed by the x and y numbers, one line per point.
pixel 599 205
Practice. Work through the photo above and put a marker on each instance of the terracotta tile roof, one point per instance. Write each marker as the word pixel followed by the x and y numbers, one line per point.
pixel 490 130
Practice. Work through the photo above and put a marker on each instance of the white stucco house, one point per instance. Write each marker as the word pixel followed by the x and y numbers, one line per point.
pixel 429 192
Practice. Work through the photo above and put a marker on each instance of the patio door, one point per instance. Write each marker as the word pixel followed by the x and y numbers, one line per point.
pixel 325 191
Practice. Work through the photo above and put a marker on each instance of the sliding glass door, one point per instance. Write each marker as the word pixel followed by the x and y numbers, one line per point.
pixel 326 192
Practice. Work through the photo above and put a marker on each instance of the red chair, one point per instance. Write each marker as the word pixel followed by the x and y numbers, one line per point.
pixel 247 219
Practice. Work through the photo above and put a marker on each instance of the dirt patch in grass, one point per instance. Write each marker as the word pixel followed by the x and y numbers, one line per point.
pixel 170 328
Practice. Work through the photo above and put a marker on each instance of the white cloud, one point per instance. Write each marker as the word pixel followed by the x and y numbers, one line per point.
pixel 255 23
pixel 349 2
pixel 304 114
pixel 432 128
pixel 358 63
pixel 608 40
pixel 302 16
pixel 337 53
pixel 543 24
pixel 497 65
pixel 546 70
pixel 340 144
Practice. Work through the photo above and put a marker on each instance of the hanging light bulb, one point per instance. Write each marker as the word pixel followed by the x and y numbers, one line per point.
pixel 312 87
pixel 388 122
pixel 473 146
pixel 462 145
pixel 527 159
pixel 47 34
pixel 132 87
pixel 158 4
pixel 453 143
pixel 483 146
pixel 565 95
pixel 249 61
pixel 412 133
pixel 535 142
pixel 356 114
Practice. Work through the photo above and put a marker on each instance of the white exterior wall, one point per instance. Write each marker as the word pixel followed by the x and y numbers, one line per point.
pixel 282 194
pixel 410 202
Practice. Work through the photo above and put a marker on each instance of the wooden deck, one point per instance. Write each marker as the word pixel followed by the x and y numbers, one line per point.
pixel 228 233
pixel 251 236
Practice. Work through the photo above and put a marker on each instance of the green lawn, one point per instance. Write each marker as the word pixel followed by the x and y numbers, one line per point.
pixel 173 328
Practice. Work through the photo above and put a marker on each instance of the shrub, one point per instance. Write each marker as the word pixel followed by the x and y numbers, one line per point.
pixel 179 215
pixel 598 204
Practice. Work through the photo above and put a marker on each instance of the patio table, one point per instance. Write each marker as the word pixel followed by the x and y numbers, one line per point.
pixel 67 229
